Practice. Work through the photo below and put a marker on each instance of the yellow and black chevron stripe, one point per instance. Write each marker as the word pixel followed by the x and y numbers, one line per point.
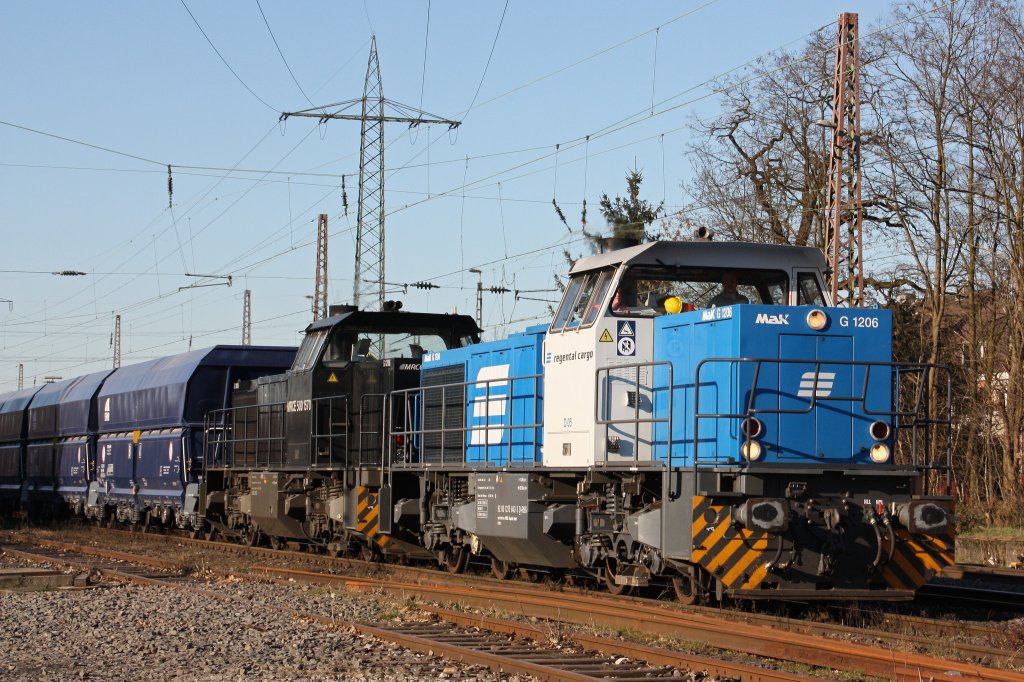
pixel 916 559
pixel 366 517
pixel 734 555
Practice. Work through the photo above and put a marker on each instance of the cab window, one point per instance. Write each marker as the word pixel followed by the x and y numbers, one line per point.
pixel 808 291
pixel 597 299
pixel 309 350
pixel 568 302
pixel 645 290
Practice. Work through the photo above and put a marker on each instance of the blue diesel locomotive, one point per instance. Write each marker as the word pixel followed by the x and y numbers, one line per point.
pixel 697 413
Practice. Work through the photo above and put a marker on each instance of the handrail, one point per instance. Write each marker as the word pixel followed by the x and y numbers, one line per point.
pixel 910 418
pixel 414 429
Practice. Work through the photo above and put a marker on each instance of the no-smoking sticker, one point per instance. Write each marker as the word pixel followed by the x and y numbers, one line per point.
pixel 626 338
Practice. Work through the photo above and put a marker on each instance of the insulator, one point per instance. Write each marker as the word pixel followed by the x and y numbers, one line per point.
pixel 561 216
pixel 170 186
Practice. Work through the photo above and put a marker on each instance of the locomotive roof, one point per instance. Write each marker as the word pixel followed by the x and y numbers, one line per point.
pixel 708 253
pixel 399 322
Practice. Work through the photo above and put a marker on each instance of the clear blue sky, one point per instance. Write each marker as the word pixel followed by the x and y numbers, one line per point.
pixel 140 78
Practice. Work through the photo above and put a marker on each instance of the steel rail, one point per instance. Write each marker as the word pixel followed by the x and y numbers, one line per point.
pixel 548 665
pixel 939 631
pixel 605 645
pixel 751 639
pixel 936 631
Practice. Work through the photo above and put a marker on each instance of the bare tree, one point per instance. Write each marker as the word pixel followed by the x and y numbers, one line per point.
pixel 761 165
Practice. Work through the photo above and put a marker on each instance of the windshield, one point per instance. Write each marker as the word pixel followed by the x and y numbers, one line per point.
pixel 644 290
pixel 353 344
pixel 309 350
pixel 807 289
pixel 583 300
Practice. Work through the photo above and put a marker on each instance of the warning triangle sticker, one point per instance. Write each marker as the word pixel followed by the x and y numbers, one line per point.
pixel 606 337
pixel 332 379
pixel 626 328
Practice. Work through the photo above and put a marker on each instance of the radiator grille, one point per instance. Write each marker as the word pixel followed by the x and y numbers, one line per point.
pixel 449 401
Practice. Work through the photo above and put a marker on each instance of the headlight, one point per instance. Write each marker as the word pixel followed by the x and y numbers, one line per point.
pixel 880 453
pixel 751 451
pixel 817 319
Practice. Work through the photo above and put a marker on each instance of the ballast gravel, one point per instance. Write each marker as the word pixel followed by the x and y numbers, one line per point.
pixel 121 633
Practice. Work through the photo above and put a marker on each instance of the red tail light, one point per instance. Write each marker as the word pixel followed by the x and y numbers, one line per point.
pixel 880 430
pixel 399 440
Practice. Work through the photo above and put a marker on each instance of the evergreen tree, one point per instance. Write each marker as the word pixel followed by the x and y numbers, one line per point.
pixel 630 217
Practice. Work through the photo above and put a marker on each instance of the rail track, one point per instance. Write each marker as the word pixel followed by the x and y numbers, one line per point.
pixel 760 636
pixel 895 630
pixel 502 645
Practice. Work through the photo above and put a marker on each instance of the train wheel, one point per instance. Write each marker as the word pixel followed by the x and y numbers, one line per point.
pixel 502 570
pixel 610 566
pixel 456 559
pixel 277 542
pixel 252 537
pixel 196 533
pixel 685 587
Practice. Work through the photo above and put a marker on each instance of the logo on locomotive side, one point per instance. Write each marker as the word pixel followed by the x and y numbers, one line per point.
pixel 764 318
pixel 822 388
pixel 490 404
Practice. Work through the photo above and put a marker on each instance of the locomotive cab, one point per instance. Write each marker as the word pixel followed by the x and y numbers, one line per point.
pixel 608 326
pixel 333 395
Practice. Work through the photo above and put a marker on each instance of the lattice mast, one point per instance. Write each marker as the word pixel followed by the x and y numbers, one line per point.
pixel 369 271
pixel 117 341
pixel 368 285
pixel 247 318
pixel 320 288
pixel 843 207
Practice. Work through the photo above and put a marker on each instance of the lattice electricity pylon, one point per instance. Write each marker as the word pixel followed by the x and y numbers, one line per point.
pixel 117 341
pixel 368 285
pixel 247 318
pixel 843 207
pixel 320 288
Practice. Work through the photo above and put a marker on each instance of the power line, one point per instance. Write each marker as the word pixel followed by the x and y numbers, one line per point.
pixel 290 72
pixel 491 54
pixel 225 62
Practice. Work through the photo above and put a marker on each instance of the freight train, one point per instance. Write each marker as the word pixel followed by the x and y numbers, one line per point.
pixel 695 415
